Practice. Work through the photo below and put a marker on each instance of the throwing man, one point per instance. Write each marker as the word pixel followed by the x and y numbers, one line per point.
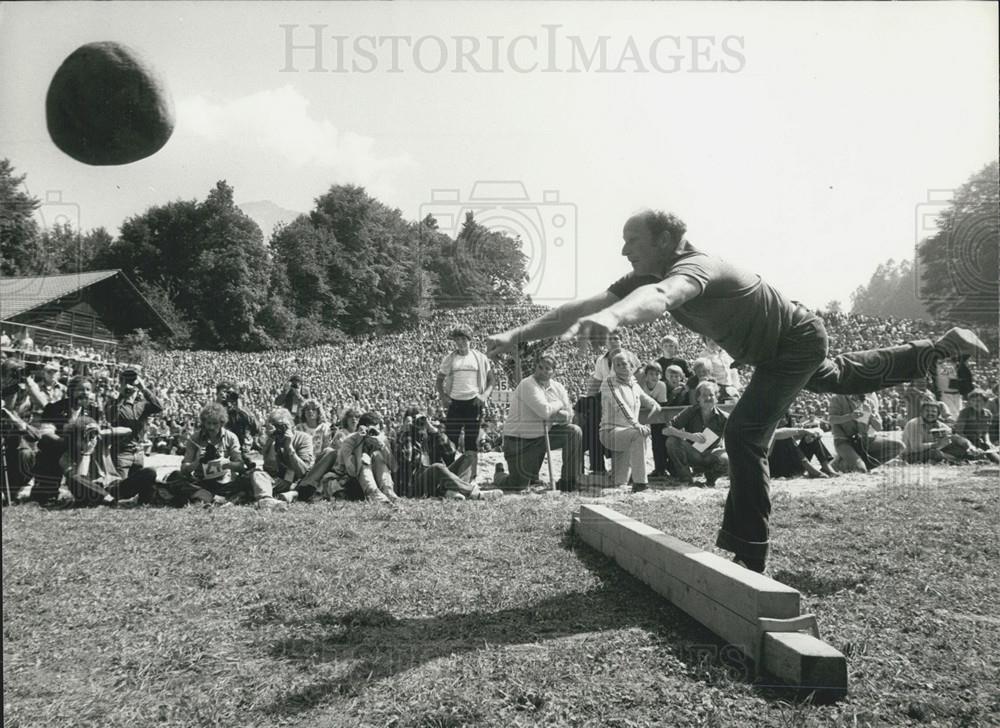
pixel 756 325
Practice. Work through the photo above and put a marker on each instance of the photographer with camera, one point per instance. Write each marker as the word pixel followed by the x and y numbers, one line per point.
pixel 427 462
pixel 132 409
pixel 21 395
pixel 238 421
pixel 211 459
pixel 793 449
pixel 364 462
pixel 464 383
pixel 90 471
pixel 288 455
pixel 292 398
pixel 56 416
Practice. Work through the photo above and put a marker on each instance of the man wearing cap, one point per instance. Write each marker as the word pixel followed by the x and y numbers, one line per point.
pixel 292 398
pixel 464 383
pixel 784 341
pixel 240 422
pixel 50 385
pixel 132 408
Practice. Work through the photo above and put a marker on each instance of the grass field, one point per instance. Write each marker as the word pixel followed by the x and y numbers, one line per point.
pixel 450 614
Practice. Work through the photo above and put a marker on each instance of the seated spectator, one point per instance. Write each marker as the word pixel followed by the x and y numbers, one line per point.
pixel 89 469
pixel 621 432
pixel 21 394
pixel 211 459
pixel 928 440
pixel 669 358
pixel 56 416
pixel 288 455
pixel 677 392
pixel 589 407
pixel 427 462
pixel 347 425
pixel 364 464
pixel 702 372
pixel 656 388
pixel 720 369
pixel 857 438
pixel 695 435
pixel 538 406
pixel 975 423
pixel 793 449
pixel 314 424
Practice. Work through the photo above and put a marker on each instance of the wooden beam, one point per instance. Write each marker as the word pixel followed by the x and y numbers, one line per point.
pixel 728 599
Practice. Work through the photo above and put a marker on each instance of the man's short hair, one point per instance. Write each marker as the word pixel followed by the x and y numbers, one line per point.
pixel 668 339
pixel 674 369
pixel 370 419
pixel 460 330
pixel 705 386
pixel 659 222
pixel 282 415
pixel 551 360
pixel 653 367
pixel 215 411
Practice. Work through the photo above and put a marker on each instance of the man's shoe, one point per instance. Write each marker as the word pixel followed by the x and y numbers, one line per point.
pixel 959 342
pixel 639 487
pixel 709 482
pixel 453 495
pixel 563 487
pixel 289 496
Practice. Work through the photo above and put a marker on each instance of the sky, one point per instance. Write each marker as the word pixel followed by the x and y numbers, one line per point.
pixel 809 142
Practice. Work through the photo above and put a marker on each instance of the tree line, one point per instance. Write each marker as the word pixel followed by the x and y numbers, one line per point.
pixel 955 273
pixel 351 265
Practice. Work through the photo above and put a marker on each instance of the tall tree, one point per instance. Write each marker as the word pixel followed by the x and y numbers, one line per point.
pixel 371 259
pixel 479 267
pixel 959 266
pixel 891 292
pixel 20 250
pixel 208 258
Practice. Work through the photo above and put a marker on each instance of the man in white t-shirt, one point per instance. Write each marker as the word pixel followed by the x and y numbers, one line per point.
pixel 464 383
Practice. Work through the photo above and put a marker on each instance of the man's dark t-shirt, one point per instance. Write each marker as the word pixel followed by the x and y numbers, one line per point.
pixel 735 308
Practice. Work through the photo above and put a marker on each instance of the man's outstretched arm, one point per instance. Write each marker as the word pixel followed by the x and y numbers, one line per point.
pixel 646 303
pixel 552 323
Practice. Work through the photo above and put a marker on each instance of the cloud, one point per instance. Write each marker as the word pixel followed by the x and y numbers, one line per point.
pixel 277 124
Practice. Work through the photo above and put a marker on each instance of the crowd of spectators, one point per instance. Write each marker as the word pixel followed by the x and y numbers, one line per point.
pixel 390 373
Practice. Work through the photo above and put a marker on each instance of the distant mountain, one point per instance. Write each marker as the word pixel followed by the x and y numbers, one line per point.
pixel 267 214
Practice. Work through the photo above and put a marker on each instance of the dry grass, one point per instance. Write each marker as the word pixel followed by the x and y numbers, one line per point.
pixel 451 614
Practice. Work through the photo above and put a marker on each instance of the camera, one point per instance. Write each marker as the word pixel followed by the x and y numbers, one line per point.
pixel 232 397
pixel 545 228
pixel 372 432
pixel 420 420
